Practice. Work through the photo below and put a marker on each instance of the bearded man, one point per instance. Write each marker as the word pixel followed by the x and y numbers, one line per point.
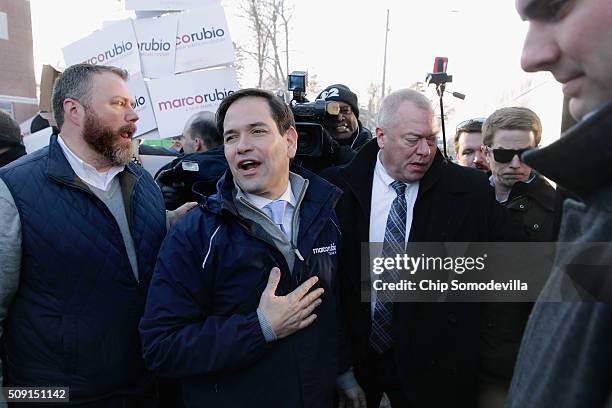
pixel 81 227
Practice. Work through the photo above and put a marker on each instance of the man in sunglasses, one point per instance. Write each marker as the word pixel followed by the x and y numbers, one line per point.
pixel 508 133
pixel 468 143
pixel 530 200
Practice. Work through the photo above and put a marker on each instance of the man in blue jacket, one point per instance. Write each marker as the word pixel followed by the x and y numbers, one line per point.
pixel 243 303
pixel 81 226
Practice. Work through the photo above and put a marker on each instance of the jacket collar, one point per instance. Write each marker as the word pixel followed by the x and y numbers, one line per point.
pixel 537 189
pixel 581 161
pixel 359 173
pixel 319 194
pixel 59 168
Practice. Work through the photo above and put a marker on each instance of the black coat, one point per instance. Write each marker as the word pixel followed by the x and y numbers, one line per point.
pixel 436 345
pixel 533 205
pixel 191 176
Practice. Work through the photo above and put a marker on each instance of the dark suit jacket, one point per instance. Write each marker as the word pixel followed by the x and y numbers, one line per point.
pixel 435 344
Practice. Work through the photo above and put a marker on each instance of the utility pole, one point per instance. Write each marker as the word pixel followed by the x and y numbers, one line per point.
pixel 385 61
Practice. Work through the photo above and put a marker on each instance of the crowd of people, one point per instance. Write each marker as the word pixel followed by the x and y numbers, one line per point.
pixel 233 276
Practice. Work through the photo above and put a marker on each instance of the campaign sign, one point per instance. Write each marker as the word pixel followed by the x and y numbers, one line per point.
pixel 114 45
pixel 176 98
pixel 157 45
pixel 203 40
pixel 144 109
pixel 166 4
pixel 151 135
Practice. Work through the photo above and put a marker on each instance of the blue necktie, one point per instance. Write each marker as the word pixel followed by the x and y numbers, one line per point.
pixel 276 211
pixel 394 243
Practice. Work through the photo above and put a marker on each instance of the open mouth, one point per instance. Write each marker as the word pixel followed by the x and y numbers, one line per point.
pixel 248 166
pixel 127 132
pixel 342 128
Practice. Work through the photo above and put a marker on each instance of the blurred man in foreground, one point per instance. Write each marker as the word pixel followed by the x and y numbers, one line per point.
pixel 566 352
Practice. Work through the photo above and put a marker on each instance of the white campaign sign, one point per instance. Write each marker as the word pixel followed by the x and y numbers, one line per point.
pixel 153 134
pixel 166 4
pixel 203 40
pixel 176 98
pixel 144 109
pixel 157 45
pixel 114 45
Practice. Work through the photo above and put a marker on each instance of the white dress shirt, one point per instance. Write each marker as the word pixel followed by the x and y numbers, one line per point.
pixel 86 172
pixel 382 198
pixel 260 202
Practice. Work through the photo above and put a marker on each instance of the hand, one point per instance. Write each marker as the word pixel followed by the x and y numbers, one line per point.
pixel 288 314
pixel 175 215
pixel 351 398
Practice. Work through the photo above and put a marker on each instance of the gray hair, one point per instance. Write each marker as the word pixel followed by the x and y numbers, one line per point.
pixel 390 105
pixel 76 83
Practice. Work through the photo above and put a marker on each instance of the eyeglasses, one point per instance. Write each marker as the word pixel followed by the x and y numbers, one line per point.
pixel 506 155
pixel 471 125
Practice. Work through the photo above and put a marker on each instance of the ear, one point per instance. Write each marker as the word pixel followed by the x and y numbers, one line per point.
pixel 200 146
pixel 292 138
pixel 486 153
pixel 74 112
pixel 380 137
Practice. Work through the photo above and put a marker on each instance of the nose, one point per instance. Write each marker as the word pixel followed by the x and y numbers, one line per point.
pixel 515 163
pixel 131 115
pixel 478 156
pixel 243 145
pixel 540 50
pixel 423 148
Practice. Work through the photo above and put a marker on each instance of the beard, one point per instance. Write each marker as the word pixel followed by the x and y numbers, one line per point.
pixel 108 142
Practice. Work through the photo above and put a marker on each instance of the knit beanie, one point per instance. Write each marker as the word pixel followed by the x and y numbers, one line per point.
pixel 342 93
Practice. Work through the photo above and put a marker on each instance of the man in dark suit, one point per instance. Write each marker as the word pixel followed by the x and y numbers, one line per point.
pixel 419 354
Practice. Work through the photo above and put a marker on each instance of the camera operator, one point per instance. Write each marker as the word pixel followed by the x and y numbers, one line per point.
pixel 345 128
pixel 333 154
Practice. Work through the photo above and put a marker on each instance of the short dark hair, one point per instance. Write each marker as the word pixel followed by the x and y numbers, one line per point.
pixel 512 118
pixel 76 83
pixel 281 113
pixel 467 126
pixel 10 133
pixel 206 129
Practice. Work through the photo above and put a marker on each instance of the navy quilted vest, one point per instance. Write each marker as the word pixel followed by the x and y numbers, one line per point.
pixel 74 320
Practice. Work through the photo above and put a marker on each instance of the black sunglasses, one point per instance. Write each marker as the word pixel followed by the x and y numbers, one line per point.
pixel 506 155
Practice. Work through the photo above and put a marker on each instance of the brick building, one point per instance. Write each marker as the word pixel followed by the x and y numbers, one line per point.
pixel 17 80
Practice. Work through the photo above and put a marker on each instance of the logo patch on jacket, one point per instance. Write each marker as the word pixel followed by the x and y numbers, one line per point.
pixel 329 250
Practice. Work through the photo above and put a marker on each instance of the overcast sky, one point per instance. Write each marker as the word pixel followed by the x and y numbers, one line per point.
pixel 343 41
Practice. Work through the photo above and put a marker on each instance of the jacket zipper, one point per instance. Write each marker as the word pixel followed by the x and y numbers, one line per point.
pixel 296 251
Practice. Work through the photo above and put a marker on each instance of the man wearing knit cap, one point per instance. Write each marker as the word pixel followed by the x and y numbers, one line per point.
pixel 11 146
pixel 345 128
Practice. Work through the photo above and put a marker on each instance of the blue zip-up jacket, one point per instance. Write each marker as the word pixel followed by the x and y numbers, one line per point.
pixel 74 319
pixel 200 322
